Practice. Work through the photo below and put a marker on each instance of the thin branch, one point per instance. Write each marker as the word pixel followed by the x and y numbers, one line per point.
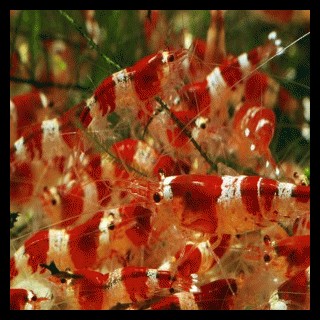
pixel 187 133
pixel 90 41
pixel 39 84
pixel 213 165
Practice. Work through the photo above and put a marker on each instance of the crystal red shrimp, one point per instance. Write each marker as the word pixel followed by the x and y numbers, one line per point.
pixel 293 294
pixel 263 90
pixel 25 109
pixel 84 246
pixel 296 250
pixel 133 86
pixel 70 201
pixel 146 159
pixel 92 290
pixel 257 125
pixel 199 258
pixel 216 295
pixel 210 96
pixel 200 201
pixel 22 299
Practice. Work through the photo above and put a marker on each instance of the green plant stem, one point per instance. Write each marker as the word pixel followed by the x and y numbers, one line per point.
pixel 90 41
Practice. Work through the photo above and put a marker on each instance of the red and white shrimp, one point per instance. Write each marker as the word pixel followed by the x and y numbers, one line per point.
pixel 199 257
pixel 146 159
pixel 91 290
pixel 257 124
pixel 132 88
pixel 107 235
pixel 31 294
pixel 216 295
pixel 25 109
pixel 293 294
pixel 200 201
pixel 209 97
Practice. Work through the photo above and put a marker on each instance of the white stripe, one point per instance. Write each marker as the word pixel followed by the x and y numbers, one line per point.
pixel 215 79
pixel 104 237
pixel 58 242
pixel 121 78
pixel 168 180
pixel 261 123
pixel 187 301
pixel 50 129
pixel 43 99
pixel 90 197
pixel 21 262
pixel 285 190
pixel 91 102
pixel 152 282
pixel 244 62
pixel 258 187
pixel 230 188
pixel 13 112
pixel 20 147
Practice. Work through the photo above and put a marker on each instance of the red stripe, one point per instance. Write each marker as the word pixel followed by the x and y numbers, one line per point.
pixel 104 192
pixel 72 202
pixel 301 193
pixel 37 248
pixel 90 289
pixel 33 141
pixel 21 183
pixel 268 190
pixel 146 76
pixel 199 195
pixel 13 268
pixel 18 299
pixel 84 241
pixel 249 194
pixel 140 232
pixel 294 289
pixel 190 260
pixel 125 150
pixel 135 281
pixel 167 303
pixel 231 72
pixel 106 96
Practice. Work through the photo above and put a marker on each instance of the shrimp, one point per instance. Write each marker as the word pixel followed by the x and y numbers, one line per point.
pixel 209 97
pixel 200 201
pixel 132 88
pixel 217 295
pixel 91 290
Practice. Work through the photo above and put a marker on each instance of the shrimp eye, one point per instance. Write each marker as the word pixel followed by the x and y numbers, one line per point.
pixel 171 290
pixel 111 227
pixel 203 126
pixel 34 298
pixel 170 58
pixel 63 280
pixel 266 258
pixel 157 197
pixel 53 202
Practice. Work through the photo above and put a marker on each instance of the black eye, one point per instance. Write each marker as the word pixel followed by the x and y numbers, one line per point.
pixel 156 197
pixel 111 227
pixel 266 240
pixel 63 280
pixel 53 202
pixel 266 258
pixel 170 58
pixel 203 126
pixel 171 290
pixel 34 298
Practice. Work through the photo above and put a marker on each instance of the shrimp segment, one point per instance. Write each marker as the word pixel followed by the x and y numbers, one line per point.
pixel 200 201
